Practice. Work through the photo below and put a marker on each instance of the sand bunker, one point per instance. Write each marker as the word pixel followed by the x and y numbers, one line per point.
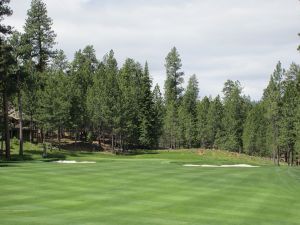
pixel 223 166
pixel 73 161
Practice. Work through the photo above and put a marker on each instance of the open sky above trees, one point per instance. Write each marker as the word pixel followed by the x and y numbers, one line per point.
pixel 218 40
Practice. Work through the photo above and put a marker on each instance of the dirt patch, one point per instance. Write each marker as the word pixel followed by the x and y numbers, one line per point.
pixel 201 152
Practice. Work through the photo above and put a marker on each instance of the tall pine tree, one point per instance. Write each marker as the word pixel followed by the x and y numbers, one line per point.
pixel 159 111
pixel 146 110
pixel 39 33
pixel 6 78
pixel 188 113
pixel 273 101
pixel 173 93
pixel 214 121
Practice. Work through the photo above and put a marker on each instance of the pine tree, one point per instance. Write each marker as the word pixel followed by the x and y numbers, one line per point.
pixel 190 105
pixel 6 78
pixel 112 110
pixel 59 62
pixel 82 71
pixel 234 116
pixel 173 92
pixel 18 52
pixel 54 103
pixel 97 103
pixel 40 40
pixel 5 10
pixel 273 101
pixel 39 33
pixel 288 122
pixel 7 88
pixel 202 113
pixel 254 135
pixel 214 121
pixel 29 94
pixel 146 110
pixel 129 82
pixel 158 114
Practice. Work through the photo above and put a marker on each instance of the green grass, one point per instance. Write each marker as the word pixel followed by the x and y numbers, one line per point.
pixel 147 189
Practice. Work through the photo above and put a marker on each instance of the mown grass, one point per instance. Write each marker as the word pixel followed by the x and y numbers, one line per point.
pixel 153 188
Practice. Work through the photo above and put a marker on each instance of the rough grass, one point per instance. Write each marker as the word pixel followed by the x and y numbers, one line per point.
pixel 147 189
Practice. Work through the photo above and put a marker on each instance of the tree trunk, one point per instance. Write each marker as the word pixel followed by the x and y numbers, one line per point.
pixel 31 129
pixel 274 156
pixel 6 126
pixel 58 137
pixel 20 118
pixel 42 135
pixel 278 157
pixel 99 143
pixel 112 143
pixel 99 140
pixel 76 136
pixel 121 143
pixel 1 150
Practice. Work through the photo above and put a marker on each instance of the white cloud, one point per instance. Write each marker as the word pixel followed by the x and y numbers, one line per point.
pixel 217 39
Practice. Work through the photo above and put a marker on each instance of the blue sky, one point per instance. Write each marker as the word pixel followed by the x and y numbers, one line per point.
pixel 217 39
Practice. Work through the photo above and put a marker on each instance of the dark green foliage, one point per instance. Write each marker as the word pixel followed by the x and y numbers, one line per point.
pixel 103 98
pixel 30 91
pixel 202 113
pixel 213 121
pixel 235 111
pixel 111 94
pixel 37 49
pixel 54 103
pixel 121 105
pixel 6 57
pixel 39 34
pixel 159 111
pixel 129 82
pixel 82 71
pixel 290 105
pixel 254 135
pixel 188 114
pixel 7 69
pixel 5 10
pixel 60 62
pixel 96 99
pixel 7 88
pixel 17 41
pixel 173 92
pixel 146 111
pixel 118 106
pixel 273 102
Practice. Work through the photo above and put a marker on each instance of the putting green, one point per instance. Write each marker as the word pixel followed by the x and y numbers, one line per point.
pixel 146 190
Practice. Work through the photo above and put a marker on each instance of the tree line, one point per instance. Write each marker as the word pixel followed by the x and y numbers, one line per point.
pixel 98 100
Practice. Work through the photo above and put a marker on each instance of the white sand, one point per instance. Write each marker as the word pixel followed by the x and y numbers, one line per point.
pixel 215 166
pixel 73 161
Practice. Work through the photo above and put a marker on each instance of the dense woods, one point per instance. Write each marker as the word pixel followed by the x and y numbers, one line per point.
pixel 90 99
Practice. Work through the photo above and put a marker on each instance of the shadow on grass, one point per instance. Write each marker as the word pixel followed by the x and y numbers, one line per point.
pixel 138 152
pixel 36 155
pixel 80 146
pixel 7 165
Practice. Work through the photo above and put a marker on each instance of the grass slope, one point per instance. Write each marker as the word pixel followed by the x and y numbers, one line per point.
pixel 148 189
